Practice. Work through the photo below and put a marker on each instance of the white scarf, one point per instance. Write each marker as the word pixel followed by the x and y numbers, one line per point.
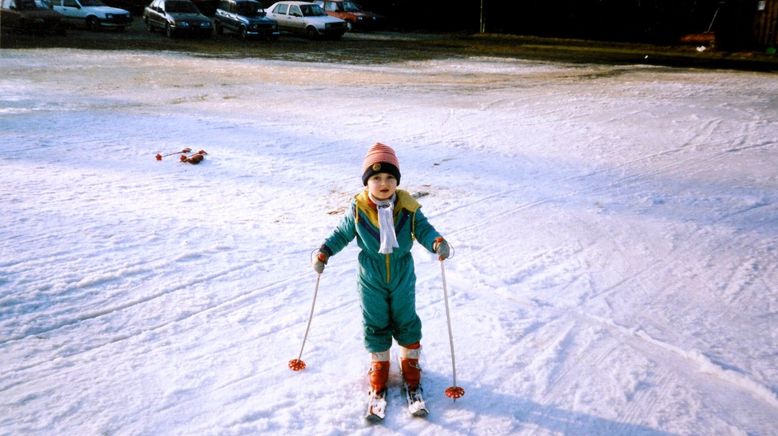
pixel 386 224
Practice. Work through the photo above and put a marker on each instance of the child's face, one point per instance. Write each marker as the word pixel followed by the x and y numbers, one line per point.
pixel 382 186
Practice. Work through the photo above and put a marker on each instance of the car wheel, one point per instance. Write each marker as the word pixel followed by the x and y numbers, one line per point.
pixel 244 33
pixel 218 27
pixel 169 30
pixel 311 32
pixel 349 26
pixel 148 25
pixel 92 24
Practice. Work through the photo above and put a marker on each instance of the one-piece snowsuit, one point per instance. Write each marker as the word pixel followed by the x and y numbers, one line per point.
pixel 386 282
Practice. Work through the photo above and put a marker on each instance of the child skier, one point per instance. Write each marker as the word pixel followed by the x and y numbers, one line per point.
pixel 385 220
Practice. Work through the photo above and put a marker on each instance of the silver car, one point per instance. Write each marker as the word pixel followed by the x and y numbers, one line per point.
pixel 306 18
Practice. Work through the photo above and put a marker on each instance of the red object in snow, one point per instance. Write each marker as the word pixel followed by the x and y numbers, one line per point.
pixel 455 392
pixel 296 365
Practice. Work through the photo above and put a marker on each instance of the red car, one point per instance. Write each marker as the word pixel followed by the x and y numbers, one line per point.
pixel 352 14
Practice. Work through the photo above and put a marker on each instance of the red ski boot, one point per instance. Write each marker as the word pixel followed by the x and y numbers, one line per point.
pixel 378 376
pixel 411 372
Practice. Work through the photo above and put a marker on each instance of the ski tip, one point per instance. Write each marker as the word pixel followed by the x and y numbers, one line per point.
pixel 421 413
pixel 373 419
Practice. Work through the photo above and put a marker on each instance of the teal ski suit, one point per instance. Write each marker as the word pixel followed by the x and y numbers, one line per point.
pixel 386 282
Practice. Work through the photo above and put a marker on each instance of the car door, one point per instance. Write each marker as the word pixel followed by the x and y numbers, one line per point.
pixel 296 19
pixel 58 7
pixel 333 9
pixel 157 15
pixel 71 10
pixel 280 15
pixel 149 14
pixel 224 14
pixel 234 16
pixel 10 16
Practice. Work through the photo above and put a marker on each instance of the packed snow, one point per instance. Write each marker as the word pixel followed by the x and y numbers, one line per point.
pixel 615 232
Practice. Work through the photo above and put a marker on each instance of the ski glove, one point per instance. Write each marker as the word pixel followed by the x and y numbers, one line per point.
pixel 319 260
pixel 441 248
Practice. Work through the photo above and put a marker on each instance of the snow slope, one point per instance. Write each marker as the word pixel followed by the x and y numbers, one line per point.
pixel 615 227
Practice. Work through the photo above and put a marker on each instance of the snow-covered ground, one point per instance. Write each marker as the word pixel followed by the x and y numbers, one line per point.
pixel 615 227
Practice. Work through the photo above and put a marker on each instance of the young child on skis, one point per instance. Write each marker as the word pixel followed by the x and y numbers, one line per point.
pixel 385 221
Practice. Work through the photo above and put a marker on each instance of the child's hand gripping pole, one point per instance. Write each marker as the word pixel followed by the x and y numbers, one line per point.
pixel 441 248
pixel 298 364
pixel 453 391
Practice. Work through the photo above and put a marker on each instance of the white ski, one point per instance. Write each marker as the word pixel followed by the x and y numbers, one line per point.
pixel 414 397
pixel 416 405
pixel 376 406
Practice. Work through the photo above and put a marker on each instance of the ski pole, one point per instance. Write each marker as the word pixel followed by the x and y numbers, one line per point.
pixel 452 391
pixel 298 364
pixel 160 156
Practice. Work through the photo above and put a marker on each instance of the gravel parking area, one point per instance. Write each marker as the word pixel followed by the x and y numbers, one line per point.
pixel 379 47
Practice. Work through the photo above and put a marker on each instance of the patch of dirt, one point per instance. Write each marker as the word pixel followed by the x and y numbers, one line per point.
pixel 383 47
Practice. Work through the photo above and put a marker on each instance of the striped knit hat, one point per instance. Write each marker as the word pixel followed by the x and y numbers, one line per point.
pixel 380 158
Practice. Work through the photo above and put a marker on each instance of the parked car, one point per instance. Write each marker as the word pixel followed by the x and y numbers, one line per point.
pixel 176 17
pixel 29 16
pixel 134 6
pixel 92 14
pixel 245 17
pixel 207 7
pixel 306 18
pixel 352 14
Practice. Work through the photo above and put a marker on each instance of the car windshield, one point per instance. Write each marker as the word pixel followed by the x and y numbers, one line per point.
pixel 91 3
pixel 350 7
pixel 312 10
pixel 250 9
pixel 178 6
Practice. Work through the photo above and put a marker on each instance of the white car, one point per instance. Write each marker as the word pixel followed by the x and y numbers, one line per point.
pixel 306 18
pixel 91 14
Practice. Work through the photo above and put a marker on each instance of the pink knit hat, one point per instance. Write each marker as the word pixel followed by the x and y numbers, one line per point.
pixel 380 158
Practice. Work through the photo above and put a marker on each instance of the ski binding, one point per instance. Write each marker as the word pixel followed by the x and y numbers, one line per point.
pixel 416 405
pixel 376 406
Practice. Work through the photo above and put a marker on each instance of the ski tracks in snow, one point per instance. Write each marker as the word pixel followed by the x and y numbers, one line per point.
pixel 613 227
pixel 560 286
